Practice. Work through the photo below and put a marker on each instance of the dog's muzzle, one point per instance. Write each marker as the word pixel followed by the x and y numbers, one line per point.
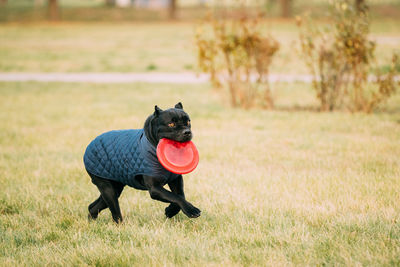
pixel 186 135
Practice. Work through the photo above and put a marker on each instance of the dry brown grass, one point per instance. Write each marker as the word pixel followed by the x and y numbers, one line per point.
pixel 275 188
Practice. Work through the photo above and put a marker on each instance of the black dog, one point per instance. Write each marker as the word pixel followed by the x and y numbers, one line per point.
pixel 128 157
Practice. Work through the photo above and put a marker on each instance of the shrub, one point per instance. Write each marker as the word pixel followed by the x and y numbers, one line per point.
pixel 340 58
pixel 237 56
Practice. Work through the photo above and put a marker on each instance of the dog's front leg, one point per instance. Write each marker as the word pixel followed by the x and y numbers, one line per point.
pixel 157 192
pixel 176 187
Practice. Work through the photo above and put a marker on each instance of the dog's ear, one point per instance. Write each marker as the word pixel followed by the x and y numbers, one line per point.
pixel 157 110
pixel 179 106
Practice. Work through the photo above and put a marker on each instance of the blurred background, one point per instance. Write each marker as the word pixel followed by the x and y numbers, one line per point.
pixel 155 35
pixel 131 10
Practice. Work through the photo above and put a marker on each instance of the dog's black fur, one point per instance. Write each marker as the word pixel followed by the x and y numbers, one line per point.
pixel 173 123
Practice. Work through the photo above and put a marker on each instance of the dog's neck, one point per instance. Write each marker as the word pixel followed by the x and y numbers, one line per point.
pixel 150 130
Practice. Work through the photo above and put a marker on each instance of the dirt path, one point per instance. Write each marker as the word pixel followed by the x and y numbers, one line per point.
pixel 149 77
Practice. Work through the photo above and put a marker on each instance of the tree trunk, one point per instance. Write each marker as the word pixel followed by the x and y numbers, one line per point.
pixel 361 6
pixel 172 9
pixel 286 10
pixel 110 2
pixel 53 10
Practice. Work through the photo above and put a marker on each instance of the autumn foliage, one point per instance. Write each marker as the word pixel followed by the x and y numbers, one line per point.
pixel 341 57
pixel 237 56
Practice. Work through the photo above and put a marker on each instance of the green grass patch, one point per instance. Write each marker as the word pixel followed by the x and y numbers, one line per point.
pixel 275 187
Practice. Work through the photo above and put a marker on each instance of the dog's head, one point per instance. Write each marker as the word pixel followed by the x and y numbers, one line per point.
pixel 173 123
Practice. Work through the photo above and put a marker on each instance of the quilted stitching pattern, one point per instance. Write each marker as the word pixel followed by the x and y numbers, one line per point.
pixel 121 155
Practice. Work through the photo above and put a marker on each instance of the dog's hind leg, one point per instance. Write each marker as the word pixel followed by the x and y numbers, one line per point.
pixel 96 207
pixel 110 192
pixel 94 203
pixel 110 197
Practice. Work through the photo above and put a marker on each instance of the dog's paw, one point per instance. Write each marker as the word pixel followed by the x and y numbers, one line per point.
pixel 172 210
pixel 191 211
pixel 91 217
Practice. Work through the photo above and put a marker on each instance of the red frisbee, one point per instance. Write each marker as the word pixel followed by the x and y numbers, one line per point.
pixel 177 157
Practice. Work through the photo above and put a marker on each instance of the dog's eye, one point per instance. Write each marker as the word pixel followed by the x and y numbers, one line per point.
pixel 188 123
pixel 171 125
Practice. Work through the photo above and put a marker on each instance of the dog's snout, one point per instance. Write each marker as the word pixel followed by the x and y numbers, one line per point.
pixel 187 132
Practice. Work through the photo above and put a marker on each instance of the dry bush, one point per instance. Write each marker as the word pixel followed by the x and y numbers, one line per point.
pixel 237 56
pixel 340 58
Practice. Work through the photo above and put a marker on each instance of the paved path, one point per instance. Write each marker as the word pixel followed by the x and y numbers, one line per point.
pixel 148 77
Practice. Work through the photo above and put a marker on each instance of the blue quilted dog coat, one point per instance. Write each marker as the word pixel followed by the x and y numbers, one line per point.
pixel 124 155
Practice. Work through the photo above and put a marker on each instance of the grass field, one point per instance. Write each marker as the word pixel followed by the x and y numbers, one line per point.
pixel 275 187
